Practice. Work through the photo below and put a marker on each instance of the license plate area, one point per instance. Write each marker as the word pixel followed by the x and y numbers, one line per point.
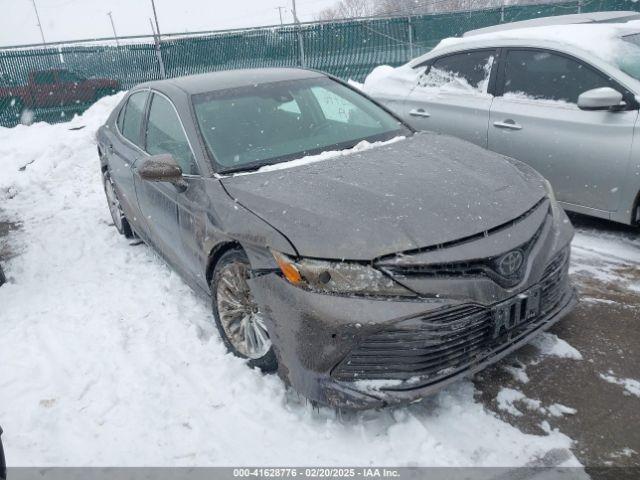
pixel 515 311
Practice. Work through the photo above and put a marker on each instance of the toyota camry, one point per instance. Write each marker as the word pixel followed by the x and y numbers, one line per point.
pixel 364 262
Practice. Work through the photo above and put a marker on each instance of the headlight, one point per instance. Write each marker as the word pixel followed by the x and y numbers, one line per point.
pixel 338 277
pixel 555 208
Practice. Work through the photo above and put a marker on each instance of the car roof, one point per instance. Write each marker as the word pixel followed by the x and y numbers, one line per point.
pixel 563 33
pixel 591 42
pixel 207 82
pixel 574 19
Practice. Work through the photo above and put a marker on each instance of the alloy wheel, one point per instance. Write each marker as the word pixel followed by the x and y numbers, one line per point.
pixel 114 205
pixel 241 319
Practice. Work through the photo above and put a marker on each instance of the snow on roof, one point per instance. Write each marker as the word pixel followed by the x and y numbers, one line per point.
pixel 578 18
pixel 600 39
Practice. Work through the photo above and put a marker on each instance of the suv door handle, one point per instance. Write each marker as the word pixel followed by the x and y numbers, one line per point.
pixel 419 112
pixel 508 124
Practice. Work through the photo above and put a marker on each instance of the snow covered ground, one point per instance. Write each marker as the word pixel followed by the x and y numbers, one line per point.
pixel 107 358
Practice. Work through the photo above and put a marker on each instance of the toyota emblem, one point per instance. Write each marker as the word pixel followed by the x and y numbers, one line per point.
pixel 509 264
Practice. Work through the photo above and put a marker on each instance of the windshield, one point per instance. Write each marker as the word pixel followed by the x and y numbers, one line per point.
pixel 247 127
pixel 628 58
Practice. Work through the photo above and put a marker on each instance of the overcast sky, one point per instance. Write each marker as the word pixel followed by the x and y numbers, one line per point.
pixel 76 19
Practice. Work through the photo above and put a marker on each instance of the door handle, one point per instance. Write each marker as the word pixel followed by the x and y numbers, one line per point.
pixel 419 112
pixel 508 124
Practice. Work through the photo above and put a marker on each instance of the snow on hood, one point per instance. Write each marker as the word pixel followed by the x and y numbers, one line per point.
pixel 426 190
pixel 360 147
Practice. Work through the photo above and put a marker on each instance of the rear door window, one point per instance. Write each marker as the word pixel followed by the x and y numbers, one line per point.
pixel 466 72
pixel 543 75
pixel 133 115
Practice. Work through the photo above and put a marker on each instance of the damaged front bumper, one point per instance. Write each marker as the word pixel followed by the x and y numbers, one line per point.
pixel 357 352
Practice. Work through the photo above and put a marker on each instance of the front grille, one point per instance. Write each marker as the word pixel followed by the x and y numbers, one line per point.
pixel 487 267
pixel 432 347
pixel 553 280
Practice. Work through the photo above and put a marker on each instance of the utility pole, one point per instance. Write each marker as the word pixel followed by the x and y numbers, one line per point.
pixel 35 8
pixel 303 62
pixel 280 12
pixel 295 15
pixel 156 44
pixel 113 26
pixel 155 15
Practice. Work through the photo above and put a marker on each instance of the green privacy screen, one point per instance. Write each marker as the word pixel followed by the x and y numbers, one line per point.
pixel 55 82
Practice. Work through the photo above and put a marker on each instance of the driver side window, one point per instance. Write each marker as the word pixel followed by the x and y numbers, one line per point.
pixel 165 135
pixel 543 75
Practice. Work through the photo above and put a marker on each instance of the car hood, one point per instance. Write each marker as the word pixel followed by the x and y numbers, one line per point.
pixel 426 190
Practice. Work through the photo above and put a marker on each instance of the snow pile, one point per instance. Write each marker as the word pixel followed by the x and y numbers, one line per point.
pixel 507 397
pixel 107 357
pixel 551 345
pixel 385 81
pixel 559 410
pixel 630 385
pixel 519 373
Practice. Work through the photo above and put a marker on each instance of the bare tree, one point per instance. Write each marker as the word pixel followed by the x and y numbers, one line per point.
pixel 348 9
pixel 327 14
pixel 416 7
pixel 364 8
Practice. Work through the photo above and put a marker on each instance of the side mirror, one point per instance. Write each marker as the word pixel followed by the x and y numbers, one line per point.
pixel 604 98
pixel 162 168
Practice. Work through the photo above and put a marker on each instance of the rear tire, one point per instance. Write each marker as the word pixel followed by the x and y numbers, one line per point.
pixel 237 316
pixel 117 214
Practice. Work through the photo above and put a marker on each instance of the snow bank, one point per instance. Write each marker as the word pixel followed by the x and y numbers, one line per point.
pixel 107 357
pixel 552 345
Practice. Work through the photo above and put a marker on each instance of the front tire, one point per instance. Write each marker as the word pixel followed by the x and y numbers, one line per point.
pixel 237 316
pixel 117 214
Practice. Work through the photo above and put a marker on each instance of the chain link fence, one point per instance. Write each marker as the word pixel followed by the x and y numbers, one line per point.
pixel 54 82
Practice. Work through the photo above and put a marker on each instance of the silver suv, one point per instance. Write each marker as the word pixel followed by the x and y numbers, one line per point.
pixel 561 96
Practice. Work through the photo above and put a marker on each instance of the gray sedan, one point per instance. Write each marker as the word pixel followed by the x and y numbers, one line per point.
pixel 363 262
pixel 558 96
